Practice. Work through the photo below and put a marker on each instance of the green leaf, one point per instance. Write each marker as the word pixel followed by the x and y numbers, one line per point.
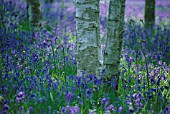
pixel 24 25
pixel 51 96
pixel 72 39
pixel 48 28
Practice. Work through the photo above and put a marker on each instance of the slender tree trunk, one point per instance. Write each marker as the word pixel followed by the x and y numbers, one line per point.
pixel 149 13
pixel 2 14
pixel 87 28
pixel 114 38
pixel 27 8
pixel 48 1
pixel 34 13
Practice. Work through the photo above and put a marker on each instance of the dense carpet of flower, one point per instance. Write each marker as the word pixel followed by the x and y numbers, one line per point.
pixel 38 66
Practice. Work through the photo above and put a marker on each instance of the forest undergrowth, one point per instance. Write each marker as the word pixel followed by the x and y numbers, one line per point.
pixel 38 67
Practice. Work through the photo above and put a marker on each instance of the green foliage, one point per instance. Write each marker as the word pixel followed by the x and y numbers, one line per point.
pixel 24 25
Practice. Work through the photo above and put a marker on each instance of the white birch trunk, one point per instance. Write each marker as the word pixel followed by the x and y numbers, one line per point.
pixel 114 38
pixel 88 35
pixel 122 18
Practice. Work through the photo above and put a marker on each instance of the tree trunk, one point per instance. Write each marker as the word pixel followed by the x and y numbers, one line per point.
pixel 2 14
pixel 88 34
pixel 114 38
pixel 48 1
pixel 149 13
pixel 34 13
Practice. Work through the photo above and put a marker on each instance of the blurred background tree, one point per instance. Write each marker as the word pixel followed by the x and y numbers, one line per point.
pixel 33 12
pixel 1 14
pixel 49 1
pixel 149 15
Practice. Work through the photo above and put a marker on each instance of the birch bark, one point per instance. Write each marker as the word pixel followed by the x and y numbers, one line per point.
pixel 114 38
pixel 88 35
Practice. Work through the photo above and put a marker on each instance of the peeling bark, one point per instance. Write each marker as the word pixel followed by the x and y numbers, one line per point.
pixel 88 35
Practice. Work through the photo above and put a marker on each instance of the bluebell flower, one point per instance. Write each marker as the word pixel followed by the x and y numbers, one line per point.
pixel 71 110
pixel 6 107
pixel 88 92
pixel 31 109
pixel 69 96
pixel 91 111
pixel 20 97
pixel 76 109
pixel 120 109
pixel 111 108
pixel 131 109
pixel 105 101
